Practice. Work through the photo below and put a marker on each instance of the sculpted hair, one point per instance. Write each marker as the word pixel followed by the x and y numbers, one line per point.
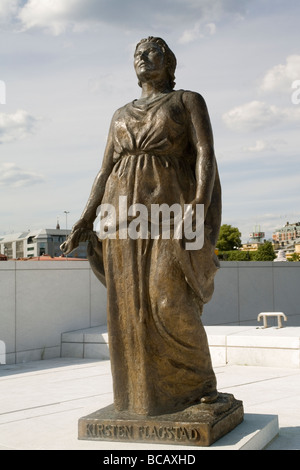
pixel 171 59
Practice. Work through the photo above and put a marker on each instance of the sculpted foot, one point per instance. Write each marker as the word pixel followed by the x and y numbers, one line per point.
pixel 211 397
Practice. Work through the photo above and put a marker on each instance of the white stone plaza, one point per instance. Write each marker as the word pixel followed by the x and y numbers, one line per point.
pixel 55 367
pixel 41 403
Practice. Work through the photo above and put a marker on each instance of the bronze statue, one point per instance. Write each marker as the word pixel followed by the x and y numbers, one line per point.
pixel 159 151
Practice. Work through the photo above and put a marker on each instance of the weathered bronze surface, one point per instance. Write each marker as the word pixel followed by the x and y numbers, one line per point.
pixel 159 151
pixel 199 425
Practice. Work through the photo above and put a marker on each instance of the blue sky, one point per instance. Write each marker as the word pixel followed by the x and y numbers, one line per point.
pixel 68 65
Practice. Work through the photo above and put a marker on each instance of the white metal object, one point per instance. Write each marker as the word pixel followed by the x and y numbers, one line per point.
pixel 265 315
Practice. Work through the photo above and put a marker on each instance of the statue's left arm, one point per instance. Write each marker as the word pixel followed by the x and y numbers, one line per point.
pixel 201 139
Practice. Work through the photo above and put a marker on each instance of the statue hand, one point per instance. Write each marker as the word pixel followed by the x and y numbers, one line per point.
pixel 80 232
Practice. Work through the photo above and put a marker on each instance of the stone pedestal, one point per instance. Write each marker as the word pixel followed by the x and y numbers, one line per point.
pixel 199 425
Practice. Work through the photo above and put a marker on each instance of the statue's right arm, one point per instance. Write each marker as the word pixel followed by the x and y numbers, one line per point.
pixel 89 213
pixel 83 228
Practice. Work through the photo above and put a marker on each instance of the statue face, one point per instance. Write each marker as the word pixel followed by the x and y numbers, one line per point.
pixel 149 62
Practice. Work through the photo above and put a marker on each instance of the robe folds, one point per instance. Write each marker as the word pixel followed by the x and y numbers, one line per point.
pixel 156 287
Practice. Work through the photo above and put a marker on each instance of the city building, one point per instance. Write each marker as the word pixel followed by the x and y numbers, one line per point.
pixel 256 239
pixel 287 234
pixel 287 238
pixel 250 246
pixel 35 243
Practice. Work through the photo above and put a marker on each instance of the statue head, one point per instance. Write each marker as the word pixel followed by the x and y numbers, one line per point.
pixel 169 57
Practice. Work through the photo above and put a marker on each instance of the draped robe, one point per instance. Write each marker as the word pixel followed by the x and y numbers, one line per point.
pixel 156 287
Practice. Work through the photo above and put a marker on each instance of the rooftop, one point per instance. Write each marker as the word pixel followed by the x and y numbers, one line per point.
pixel 45 399
pixel 50 258
pixel 287 227
pixel 32 233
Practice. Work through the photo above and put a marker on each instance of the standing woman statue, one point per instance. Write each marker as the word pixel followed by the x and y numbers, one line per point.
pixel 159 151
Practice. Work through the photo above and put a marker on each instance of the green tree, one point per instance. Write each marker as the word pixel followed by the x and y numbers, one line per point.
pixel 229 238
pixel 265 252
pixel 238 255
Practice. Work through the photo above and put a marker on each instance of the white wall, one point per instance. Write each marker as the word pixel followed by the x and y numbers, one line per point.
pixel 40 300
pixel 244 289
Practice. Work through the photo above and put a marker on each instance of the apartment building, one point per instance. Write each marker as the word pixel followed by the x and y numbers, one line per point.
pixel 287 238
pixel 37 243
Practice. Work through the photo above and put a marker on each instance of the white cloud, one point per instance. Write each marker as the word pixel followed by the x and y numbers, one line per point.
pixel 269 146
pixel 57 16
pixel 52 15
pixel 261 146
pixel 16 126
pixel 280 77
pixel 252 202
pixel 14 176
pixel 197 32
pixel 258 115
pixel 211 27
pixel 8 9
